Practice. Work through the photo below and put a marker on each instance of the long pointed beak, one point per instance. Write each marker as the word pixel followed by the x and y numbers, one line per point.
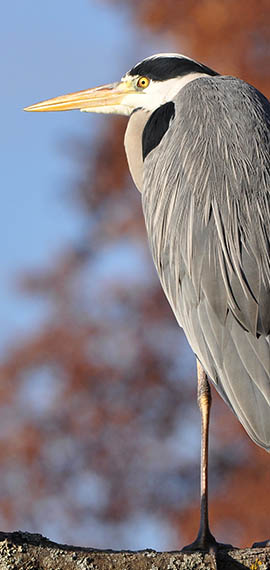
pixel 95 100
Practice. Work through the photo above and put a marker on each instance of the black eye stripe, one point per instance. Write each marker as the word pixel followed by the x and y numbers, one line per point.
pixel 163 68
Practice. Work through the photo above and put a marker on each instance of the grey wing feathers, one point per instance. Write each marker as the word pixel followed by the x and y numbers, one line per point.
pixel 206 202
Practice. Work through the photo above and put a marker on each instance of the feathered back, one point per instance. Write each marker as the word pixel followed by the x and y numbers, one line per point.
pixel 206 202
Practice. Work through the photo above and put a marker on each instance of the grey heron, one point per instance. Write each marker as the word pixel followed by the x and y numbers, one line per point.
pixel 198 149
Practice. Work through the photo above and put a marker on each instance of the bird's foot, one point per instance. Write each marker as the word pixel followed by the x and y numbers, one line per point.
pixel 263 544
pixel 206 542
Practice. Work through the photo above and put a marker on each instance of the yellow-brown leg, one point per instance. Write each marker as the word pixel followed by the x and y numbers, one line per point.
pixel 205 540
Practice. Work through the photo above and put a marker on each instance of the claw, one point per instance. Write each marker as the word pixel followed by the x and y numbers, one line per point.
pixel 207 543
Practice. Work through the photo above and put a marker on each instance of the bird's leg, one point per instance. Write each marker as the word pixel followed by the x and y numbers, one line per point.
pixel 205 540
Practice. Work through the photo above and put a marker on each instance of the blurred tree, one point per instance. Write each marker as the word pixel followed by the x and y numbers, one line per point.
pixel 99 422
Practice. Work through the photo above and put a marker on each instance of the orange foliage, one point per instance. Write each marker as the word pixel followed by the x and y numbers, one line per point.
pixel 234 38
pixel 110 365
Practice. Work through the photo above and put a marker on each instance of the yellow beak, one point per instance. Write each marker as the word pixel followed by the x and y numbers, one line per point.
pixel 95 100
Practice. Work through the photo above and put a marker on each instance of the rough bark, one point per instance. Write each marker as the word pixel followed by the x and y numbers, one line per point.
pixel 25 551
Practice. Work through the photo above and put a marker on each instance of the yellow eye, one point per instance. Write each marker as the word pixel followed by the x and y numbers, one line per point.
pixel 143 82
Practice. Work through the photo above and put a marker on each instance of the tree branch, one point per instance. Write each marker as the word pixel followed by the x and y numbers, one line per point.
pixel 25 551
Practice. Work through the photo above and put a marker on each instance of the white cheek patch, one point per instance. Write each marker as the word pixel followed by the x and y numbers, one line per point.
pixel 155 95
pixel 159 92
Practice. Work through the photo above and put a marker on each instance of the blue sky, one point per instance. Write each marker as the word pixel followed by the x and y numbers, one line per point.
pixel 48 49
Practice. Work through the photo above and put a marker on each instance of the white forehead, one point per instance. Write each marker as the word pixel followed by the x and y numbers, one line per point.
pixel 155 55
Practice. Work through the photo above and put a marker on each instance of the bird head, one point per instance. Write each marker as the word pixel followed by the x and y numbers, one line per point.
pixel 148 85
